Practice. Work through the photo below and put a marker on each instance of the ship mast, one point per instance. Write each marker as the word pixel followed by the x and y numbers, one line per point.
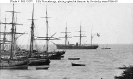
pixel 4 38
pixel 80 35
pixel 0 41
pixel 47 40
pixel 92 36
pixel 13 32
pixel 32 33
pixel 0 35
pixel 66 35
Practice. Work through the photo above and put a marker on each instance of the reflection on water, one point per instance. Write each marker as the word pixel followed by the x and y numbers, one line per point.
pixel 99 64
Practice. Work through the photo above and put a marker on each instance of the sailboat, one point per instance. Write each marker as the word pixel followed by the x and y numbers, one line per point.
pixel 13 62
pixel 76 46
pixel 53 55
pixel 40 59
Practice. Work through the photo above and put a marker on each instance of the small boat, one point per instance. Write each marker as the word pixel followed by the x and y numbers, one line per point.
pixel 124 67
pixel 73 58
pixel 42 67
pixel 105 48
pixel 75 64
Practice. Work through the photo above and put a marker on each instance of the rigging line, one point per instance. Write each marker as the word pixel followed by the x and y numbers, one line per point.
pixel 28 42
pixel 23 40
pixel 35 42
pixel 49 31
pixel 36 46
pixel 9 16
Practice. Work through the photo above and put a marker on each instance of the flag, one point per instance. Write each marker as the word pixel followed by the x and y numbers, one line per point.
pixel 98 35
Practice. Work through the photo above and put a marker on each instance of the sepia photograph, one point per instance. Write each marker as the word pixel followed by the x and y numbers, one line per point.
pixel 66 40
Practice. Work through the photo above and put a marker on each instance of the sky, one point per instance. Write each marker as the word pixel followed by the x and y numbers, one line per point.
pixel 113 21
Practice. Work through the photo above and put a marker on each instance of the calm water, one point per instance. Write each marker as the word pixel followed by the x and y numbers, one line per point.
pixel 99 64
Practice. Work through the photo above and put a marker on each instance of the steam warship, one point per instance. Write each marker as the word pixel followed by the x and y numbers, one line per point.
pixel 77 46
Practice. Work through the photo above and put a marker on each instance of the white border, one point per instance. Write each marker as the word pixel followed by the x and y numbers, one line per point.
pixel 34 1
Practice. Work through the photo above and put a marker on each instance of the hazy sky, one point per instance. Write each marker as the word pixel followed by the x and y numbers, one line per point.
pixel 113 21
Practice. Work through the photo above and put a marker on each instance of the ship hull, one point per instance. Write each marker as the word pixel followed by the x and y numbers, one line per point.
pixel 14 64
pixel 60 46
pixel 56 55
pixel 38 62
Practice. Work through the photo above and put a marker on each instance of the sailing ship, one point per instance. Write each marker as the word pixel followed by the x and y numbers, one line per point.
pixel 36 58
pixel 53 55
pixel 13 62
pixel 77 46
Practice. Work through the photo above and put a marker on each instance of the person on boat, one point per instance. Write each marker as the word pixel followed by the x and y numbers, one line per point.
pixel 76 44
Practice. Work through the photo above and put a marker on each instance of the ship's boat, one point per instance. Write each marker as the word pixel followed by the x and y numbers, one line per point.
pixel 77 64
pixel 14 64
pixel 42 67
pixel 73 58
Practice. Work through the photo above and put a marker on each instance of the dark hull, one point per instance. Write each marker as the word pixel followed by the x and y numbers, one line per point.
pixel 14 64
pixel 73 58
pixel 56 55
pixel 61 46
pixel 105 48
pixel 38 62
pixel 74 64
pixel 42 67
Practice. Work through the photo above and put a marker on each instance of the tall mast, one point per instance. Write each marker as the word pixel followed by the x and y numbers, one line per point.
pixel 47 38
pixel 91 37
pixel 32 33
pixel 66 35
pixel 0 35
pixel 80 35
pixel 46 30
pixel 4 38
pixel 13 32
